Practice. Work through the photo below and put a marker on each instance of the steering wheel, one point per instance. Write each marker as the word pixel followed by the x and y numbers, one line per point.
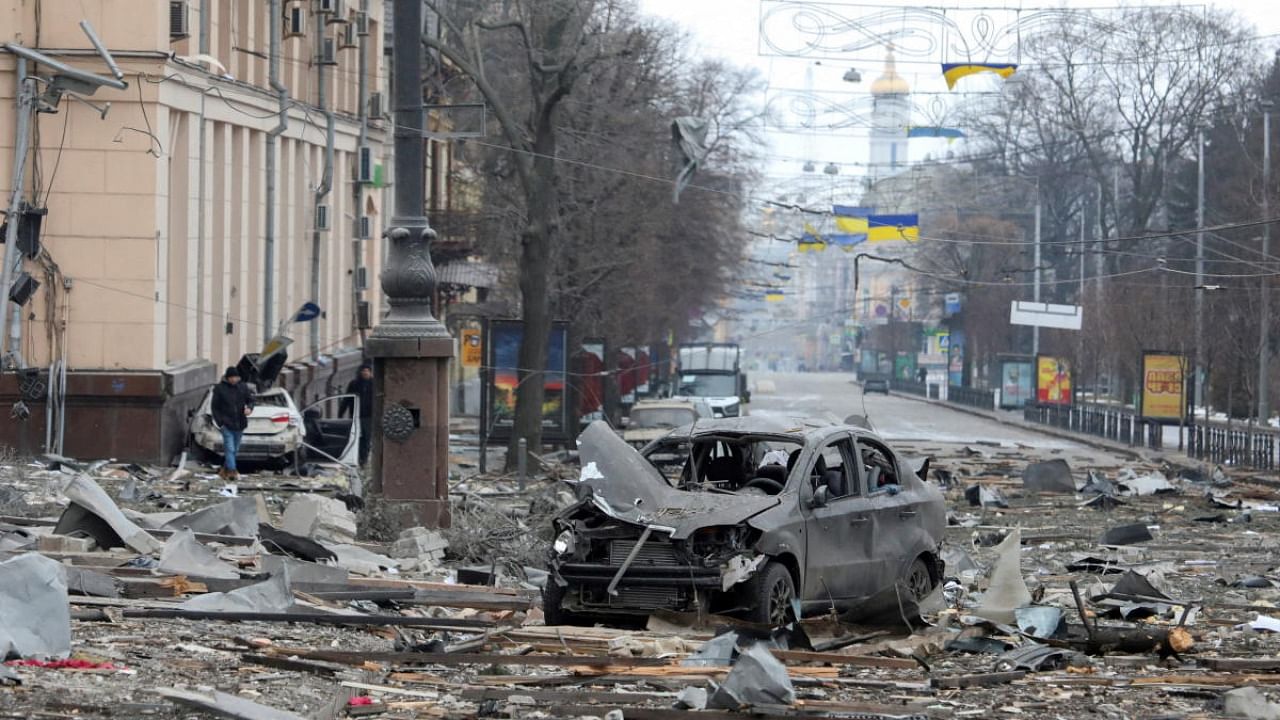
pixel 768 485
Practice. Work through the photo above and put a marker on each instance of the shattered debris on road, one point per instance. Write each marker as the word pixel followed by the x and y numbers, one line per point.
pixel 156 594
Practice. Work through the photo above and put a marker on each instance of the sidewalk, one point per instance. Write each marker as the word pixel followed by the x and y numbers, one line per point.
pixel 1013 418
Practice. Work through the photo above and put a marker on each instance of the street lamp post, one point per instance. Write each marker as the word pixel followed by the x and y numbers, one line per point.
pixel 1264 315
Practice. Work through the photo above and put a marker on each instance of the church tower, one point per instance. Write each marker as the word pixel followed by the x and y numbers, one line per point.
pixel 890 115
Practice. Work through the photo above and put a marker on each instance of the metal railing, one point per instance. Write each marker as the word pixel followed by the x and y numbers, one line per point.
pixel 1117 424
pixel 973 397
pixel 1238 444
pixel 909 387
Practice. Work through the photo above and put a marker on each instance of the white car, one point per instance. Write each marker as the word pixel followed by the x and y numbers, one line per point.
pixel 279 433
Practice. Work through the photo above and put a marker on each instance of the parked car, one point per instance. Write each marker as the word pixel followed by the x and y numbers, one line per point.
pixel 651 419
pixel 760 511
pixel 876 384
pixel 278 432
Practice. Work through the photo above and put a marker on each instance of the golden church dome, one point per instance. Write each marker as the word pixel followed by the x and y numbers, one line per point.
pixel 890 82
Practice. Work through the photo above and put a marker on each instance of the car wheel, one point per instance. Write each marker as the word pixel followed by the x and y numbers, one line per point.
pixel 553 612
pixel 769 595
pixel 918 580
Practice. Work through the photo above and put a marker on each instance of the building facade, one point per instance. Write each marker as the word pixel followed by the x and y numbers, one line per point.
pixel 159 264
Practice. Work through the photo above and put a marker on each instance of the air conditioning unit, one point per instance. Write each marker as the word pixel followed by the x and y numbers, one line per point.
pixel 363 321
pixel 322 217
pixel 364 165
pixel 329 7
pixel 375 105
pixel 179 20
pixel 349 38
pixel 362 23
pixel 328 52
pixel 363 227
pixel 295 21
pixel 362 278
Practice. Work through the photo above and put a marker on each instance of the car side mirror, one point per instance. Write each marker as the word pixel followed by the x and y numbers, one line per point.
pixel 821 495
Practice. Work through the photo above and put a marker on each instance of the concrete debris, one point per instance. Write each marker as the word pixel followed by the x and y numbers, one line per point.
pixel 1052 476
pixel 361 561
pixel 320 518
pixel 65 544
pixel 426 546
pixel 1251 703
pixel 692 698
pixel 983 496
pixel 184 555
pixel 35 621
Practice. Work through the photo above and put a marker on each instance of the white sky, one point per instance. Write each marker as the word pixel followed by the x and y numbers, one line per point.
pixel 730 29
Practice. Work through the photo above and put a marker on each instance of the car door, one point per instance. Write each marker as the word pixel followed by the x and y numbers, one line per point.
pixel 893 506
pixel 838 531
pixel 330 436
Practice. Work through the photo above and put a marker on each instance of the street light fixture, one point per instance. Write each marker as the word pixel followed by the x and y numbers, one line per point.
pixel 1264 342
pixel 808 166
pixel 831 169
pixel 852 76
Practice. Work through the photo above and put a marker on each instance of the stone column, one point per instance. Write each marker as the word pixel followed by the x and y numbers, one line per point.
pixel 410 347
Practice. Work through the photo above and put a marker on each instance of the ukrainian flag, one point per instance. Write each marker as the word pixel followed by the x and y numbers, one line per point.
pixel 774 296
pixel 954 71
pixel 950 134
pixel 885 228
pixel 811 240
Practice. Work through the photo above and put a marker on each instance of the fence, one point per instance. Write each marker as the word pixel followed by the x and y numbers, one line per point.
pixel 973 397
pixel 1112 423
pixel 1241 445
pixel 909 387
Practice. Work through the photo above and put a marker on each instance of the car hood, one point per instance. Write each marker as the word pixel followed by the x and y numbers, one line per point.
pixel 622 484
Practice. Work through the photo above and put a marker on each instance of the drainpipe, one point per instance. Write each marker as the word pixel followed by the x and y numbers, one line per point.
pixel 326 181
pixel 25 100
pixel 362 111
pixel 204 26
pixel 201 188
pixel 273 135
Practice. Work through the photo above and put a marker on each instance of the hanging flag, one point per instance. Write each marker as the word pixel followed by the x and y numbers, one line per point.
pixel 951 134
pixel 884 228
pixel 851 224
pixel 689 135
pixel 774 296
pixel 954 71
pixel 811 240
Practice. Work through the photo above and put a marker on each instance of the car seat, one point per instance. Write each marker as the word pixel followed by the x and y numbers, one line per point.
pixel 726 470
pixel 835 482
pixel 776 473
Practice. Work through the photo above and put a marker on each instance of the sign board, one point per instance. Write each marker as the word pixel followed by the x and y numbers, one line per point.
pixel 950 304
pixel 1062 317
pixel 1053 381
pixel 498 391
pixel 1164 387
pixel 588 363
pixel 275 345
pixel 308 312
pixel 472 348
pixel 1017 383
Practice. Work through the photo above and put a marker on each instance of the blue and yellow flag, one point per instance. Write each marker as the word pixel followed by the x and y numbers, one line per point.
pixel 851 226
pixel 954 71
pixel 811 240
pixel 885 228
pixel 774 296
pixel 951 134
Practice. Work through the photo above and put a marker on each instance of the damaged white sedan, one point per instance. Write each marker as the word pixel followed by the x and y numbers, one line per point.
pixel 758 517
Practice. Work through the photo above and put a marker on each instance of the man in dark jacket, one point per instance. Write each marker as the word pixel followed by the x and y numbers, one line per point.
pixel 231 405
pixel 362 388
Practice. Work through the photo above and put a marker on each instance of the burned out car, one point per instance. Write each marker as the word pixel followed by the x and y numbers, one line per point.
pixel 755 514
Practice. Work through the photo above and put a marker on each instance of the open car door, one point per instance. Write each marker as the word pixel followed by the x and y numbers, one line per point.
pixel 329 434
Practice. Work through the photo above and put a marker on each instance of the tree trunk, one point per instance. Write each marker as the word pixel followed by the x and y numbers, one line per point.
pixel 535 267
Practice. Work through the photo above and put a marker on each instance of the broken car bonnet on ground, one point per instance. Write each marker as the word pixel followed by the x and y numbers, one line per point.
pixel 761 514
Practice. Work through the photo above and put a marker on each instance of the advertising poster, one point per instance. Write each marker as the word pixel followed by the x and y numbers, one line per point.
pixel 503 379
pixel 1016 384
pixel 627 375
pixel 1053 381
pixel 588 363
pixel 644 371
pixel 472 348
pixel 1164 387
pixel 955 358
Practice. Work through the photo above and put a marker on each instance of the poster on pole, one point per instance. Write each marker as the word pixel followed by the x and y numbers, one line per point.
pixel 498 404
pixel 1053 381
pixel 588 364
pixel 472 348
pixel 1017 386
pixel 1164 387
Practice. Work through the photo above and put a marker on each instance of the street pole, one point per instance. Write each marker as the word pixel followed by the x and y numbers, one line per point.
pixel 1035 287
pixel 1199 364
pixel 1264 315
pixel 25 99
pixel 410 348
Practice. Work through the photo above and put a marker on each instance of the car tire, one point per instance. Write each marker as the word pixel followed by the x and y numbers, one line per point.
pixel 917 580
pixel 768 595
pixel 552 612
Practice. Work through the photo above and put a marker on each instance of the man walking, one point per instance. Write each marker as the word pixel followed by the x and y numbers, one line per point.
pixel 231 405
pixel 362 388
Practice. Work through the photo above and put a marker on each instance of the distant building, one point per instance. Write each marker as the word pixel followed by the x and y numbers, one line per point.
pixel 890 116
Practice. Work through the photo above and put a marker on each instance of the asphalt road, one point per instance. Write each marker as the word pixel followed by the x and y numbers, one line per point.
pixel 904 421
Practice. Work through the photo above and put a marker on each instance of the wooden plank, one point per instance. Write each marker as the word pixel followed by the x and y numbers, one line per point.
pixel 840 659
pixel 312 618
pixel 1230 664
pixel 450 659
pixel 977 680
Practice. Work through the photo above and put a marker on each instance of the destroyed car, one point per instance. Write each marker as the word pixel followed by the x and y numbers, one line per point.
pixel 651 419
pixel 279 433
pixel 760 512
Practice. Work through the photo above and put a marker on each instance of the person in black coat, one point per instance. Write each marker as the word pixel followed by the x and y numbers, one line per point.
pixel 362 388
pixel 232 402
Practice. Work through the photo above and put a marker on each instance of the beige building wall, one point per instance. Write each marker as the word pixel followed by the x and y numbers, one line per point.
pixel 143 270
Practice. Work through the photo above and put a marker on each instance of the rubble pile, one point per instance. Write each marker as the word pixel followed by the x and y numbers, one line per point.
pixel 145 593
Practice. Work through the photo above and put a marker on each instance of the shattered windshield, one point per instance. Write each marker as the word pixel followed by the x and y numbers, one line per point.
pixel 665 418
pixel 709 385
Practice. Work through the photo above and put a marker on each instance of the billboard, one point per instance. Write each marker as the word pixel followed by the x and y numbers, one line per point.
pixel 1017 386
pixel 1053 381
pixel 955 358
pixel 1164 387
pixel 588 363
pixel 502 379
pixel 472 348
